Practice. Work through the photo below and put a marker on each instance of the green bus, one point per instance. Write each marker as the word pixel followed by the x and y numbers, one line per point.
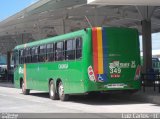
pixel 98 59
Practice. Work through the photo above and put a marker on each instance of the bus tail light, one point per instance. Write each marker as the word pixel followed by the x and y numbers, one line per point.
pixel 91 74
pixel 138 73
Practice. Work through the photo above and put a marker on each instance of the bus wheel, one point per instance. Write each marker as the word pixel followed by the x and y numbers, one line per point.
pixel 24 90
pixel 62 96
pixel 52 91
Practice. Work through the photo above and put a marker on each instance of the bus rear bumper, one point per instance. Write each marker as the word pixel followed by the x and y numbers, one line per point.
pixel 134 85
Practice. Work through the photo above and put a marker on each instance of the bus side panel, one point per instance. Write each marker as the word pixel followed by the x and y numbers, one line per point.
pixel 76 72
pixel 16 78
pixel 74 75
pixel 70 72
pixel 18 75
pixel 88 61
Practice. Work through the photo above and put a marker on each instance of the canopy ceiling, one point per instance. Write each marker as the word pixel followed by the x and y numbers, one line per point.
pixel 53 17
pixel 125 2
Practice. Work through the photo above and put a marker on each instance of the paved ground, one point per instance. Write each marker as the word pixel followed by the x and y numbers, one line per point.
pixel 12 101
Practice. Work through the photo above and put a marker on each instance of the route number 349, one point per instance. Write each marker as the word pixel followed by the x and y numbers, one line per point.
pixel 115 70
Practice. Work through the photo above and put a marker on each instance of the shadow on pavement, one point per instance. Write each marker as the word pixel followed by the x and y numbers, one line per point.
pixel 106 99
pixel 42 95
pixel 102 99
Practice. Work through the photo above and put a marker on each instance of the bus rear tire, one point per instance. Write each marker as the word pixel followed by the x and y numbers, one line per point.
pixel 24 90
pixel 52 91
pixel 62 96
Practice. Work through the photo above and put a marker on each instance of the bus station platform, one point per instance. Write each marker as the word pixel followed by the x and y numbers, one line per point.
pixel 149 95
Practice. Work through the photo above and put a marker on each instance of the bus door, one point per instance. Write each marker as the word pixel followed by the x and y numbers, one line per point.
pixel 16 63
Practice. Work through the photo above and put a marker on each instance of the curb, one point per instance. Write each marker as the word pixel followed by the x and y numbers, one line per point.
pixel 7 84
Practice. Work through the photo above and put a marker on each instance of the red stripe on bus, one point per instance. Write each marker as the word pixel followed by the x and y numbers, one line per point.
pixel 95 51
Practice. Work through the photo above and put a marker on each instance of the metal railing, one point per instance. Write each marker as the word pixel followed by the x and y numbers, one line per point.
pixel 156 66
pixel 151 79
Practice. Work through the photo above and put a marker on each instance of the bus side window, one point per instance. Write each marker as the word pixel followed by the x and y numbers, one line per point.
pixel 34 54
pixel 50 52
pixel 15 57
pixel 70 49
pixel 28 55
pixel 22 59
pixel 19 56
pixel 53 54
pixel 42 53
pixel 24 56
pixel 78 48
pixel 37 54
pixel 59 56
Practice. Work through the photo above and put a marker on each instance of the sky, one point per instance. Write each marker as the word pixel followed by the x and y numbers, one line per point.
pixel 10 7
pixel 155 43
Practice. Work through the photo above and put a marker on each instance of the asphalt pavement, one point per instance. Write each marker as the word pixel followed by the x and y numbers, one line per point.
pixel 13 101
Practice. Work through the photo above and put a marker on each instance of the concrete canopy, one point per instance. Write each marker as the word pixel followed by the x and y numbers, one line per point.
pixel 146 12
pixel 53 17
pixel 125 2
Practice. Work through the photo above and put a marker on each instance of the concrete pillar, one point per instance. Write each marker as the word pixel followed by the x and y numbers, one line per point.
pixel 146 13
pixel 22 38
pixel 8 65
pixel 147 45
pixel 64 26
pixel 8 61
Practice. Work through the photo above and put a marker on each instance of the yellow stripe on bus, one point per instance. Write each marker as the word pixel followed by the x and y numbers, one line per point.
pixel 100 51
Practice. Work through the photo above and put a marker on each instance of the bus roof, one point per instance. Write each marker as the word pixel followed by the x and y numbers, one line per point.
pixel 60 38
pixel 51 40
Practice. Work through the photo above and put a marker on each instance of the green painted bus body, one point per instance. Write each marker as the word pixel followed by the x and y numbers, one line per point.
pixel 123 46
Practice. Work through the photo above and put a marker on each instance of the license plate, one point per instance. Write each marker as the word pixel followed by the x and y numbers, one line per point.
pixel 115 86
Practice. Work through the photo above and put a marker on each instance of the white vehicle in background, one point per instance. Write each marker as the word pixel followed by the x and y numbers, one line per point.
pixel 3 66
